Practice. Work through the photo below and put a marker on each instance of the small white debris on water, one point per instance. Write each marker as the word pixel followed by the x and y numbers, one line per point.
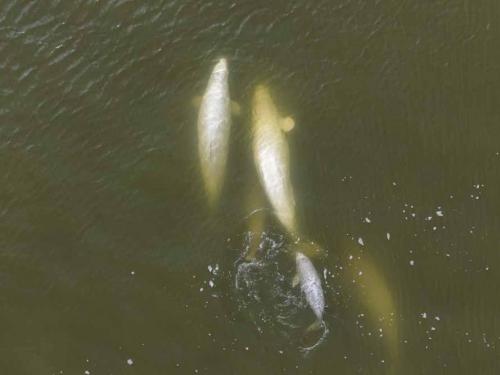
pixel 247 348
pixel 439 213
pixel 213 269
pixel 211 284
pixel 280 351
pixel 367 220
pixel 394 183
pixel 434 228
pixel 388 235
pixel 360 241
pixel 360 273
pixel 130 362
pixel 428 218
pixel 201 289
pixel 350 257
pixel 87 372
pixel 487 268
pixel 433 328
pixel 132 273
pixel 424 315
pixel 437 318
pixel 412 262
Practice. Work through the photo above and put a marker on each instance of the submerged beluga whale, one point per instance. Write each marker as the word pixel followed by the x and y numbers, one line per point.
pixel 214 125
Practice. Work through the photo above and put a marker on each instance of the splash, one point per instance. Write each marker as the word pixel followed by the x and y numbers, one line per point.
pixel 264 294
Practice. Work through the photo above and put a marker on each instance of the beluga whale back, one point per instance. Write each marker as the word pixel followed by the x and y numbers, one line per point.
pixel 214 124
pixel 310 284
pixel 271 156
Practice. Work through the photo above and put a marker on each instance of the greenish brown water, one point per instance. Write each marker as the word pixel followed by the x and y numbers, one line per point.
pixel 108 253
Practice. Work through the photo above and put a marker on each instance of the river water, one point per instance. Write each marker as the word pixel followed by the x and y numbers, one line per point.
pixel 110 260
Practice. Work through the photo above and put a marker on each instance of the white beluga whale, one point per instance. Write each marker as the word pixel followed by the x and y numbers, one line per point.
pixel 310 284
pixel 272 160
pixel 214 124
pixel 271 156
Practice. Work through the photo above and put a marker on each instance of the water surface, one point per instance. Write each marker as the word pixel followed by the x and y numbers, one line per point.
pixel 110 261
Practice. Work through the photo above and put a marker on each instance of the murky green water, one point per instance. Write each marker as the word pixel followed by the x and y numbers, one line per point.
pixel 110 262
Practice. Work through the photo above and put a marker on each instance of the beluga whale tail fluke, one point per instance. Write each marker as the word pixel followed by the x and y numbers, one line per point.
pixel 214 124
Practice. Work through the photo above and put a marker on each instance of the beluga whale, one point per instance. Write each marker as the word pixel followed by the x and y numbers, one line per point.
pixel 214 125
pixel 272 160
pixel 310 284
pixel 271 156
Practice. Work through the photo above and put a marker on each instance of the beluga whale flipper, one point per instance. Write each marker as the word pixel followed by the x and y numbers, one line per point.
pixel 214 124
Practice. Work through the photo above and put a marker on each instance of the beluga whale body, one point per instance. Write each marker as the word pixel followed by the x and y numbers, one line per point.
pixel 271 156
pixel 214 124
pixel 310 283
pixel 272 160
